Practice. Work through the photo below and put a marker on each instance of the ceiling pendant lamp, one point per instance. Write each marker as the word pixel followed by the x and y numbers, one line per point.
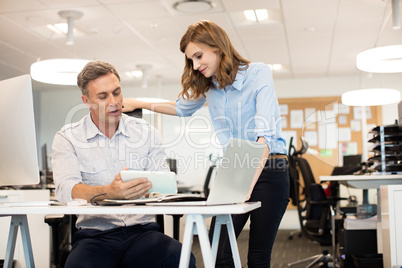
pixel 371 97
pixel 396 22
pixel 58 71
pixel 70 16
pixel 385 59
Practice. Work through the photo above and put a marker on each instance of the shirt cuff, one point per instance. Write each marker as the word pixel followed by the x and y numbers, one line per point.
pixel 64 191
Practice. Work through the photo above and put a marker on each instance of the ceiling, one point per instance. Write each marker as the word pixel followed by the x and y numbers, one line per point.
pixel 310 38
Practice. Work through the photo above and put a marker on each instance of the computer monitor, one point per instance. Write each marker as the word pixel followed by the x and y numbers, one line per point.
pixel 18 152
pixel 45 165
pixel 352 160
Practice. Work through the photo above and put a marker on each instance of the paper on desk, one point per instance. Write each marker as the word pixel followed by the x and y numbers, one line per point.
pixel 353 223
pixel 157 199
pixel 27 204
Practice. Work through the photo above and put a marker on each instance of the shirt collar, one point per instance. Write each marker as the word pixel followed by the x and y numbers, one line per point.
pixel 122 126
pixel 238 83
pixel 93 130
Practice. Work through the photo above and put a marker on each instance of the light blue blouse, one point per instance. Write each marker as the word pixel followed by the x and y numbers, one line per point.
pixel 247 109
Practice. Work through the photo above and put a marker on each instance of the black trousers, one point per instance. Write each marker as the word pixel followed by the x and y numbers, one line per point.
pixel 134 246
pixel 272 190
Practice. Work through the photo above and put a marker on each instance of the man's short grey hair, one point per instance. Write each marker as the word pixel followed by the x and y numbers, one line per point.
pixel 93 70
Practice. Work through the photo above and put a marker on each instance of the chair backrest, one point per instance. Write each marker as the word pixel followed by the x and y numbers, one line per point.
pixel 307 174
pixel 316 209
pixel 313 215
pixel 308 179
pixel 294 190
pixel 208 180
pixel 136 113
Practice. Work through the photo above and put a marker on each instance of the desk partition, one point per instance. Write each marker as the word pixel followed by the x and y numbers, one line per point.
pixel 373 181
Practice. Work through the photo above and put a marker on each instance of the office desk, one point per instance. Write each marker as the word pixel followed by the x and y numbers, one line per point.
pixel 369 182
pixel 365 181
pixel 195 225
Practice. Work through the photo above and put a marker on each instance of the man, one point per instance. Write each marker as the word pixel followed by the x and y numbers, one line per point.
pixel 87 159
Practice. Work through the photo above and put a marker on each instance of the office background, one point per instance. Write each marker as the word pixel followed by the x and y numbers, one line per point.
pixel 311 46
pixel 54 108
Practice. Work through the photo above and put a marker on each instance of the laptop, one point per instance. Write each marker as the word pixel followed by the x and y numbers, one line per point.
pixel 234 176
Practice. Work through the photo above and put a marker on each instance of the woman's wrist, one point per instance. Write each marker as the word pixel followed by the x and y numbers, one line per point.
pixel 145 105
pixel 131 104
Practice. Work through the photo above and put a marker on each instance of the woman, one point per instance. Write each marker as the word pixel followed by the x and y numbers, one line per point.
pixel 242 104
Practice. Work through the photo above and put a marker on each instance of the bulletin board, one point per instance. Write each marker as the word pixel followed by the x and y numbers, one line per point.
pixel 331 129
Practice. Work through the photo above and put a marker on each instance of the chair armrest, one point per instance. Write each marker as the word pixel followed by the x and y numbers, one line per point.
pixel 54 220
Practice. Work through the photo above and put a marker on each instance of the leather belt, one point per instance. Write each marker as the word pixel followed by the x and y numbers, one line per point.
pixel 276 156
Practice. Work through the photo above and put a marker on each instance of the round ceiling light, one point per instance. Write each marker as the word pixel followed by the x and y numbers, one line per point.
pixel 193 6
pixel 58 71
pixel 371 97
pixel 386 59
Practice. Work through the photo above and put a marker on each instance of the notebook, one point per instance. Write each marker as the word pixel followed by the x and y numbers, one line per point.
pixel 234 176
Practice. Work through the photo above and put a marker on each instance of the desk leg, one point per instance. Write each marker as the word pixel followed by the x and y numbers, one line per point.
pixel 379 224
pixel 226 220
pixel 195 225
pixel 22 222
pixel 187 243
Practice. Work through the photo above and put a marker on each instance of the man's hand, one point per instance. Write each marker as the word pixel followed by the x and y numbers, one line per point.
pixel 132 189
pixel 118 189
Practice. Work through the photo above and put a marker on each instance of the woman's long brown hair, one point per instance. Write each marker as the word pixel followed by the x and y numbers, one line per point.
pixel 209 34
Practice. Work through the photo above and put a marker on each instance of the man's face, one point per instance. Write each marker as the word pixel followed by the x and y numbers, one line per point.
pixel 104 100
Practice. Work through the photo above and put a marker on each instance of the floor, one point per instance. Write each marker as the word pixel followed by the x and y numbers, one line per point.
pixel 284 250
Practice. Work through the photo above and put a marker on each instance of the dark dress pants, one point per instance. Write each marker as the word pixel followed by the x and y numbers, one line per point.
pixel 134 246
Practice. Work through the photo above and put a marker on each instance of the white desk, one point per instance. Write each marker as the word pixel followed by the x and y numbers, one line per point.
pixel 369 182
pixel 365 181
pixel 195 225
pixel 391 214
pixel 40 236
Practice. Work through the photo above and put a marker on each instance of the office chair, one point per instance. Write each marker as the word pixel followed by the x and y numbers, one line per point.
pixel 63 229
pixel 294 181
pixel 209 176
pixel 316 211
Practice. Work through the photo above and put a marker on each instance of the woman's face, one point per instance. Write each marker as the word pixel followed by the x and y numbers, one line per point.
pixel 205 59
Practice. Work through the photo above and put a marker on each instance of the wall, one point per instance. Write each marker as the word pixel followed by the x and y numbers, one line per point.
pixel 335 86
pixel 328 137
